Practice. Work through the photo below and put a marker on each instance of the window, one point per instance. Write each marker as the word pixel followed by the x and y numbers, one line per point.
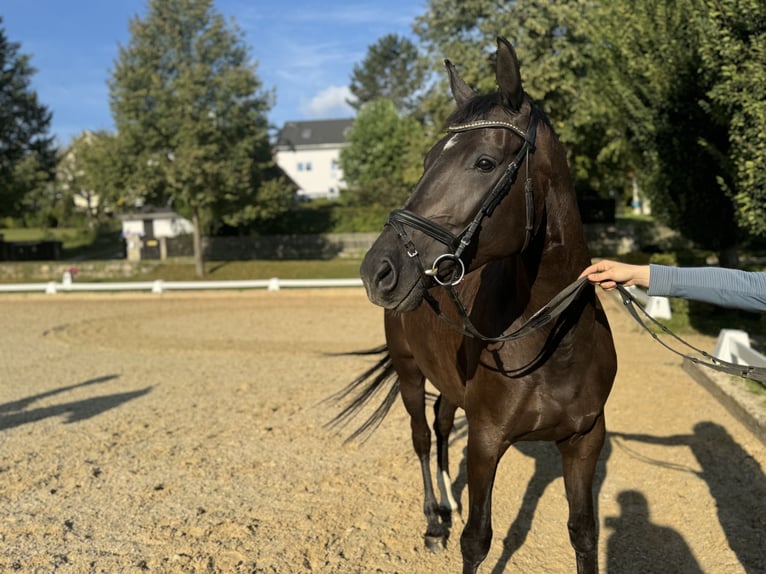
pixel 308 166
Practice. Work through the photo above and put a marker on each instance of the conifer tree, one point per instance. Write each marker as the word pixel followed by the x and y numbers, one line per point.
pixel 27 154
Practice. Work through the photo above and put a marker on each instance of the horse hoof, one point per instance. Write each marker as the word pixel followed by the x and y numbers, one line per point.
pixel 434 543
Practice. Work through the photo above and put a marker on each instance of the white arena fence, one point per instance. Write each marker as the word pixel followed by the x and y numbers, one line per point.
pixel 160 286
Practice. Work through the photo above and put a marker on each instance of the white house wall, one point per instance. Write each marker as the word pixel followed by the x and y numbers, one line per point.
pixel 172 227
pixel 162 227
pixel 132 227
pixel 315 171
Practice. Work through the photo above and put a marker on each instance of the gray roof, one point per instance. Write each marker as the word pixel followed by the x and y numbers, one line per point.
pixel 313 133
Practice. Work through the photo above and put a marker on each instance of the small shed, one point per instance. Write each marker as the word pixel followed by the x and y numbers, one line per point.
pixel 145 231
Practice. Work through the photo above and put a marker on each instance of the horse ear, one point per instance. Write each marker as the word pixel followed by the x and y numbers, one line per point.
pixel 508 76
pixel 461 91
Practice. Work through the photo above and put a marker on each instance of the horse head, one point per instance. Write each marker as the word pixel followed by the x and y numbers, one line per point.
pixel 469 206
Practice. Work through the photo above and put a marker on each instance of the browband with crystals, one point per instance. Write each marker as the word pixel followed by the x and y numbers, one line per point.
pixel 487 124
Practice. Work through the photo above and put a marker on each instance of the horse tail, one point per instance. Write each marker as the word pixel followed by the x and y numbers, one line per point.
pixel 381 377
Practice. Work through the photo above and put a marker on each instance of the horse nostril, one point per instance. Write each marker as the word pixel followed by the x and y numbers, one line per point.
pixel 386 276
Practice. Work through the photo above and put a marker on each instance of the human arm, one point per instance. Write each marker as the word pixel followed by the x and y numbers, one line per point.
pixel 717 285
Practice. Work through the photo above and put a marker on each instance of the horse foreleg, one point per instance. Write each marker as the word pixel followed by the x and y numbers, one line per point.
pixel 484 452
pixel 412 389
pixel 444 412
pixel 579 456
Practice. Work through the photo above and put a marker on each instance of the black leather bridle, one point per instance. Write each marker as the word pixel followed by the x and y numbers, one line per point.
pixel 457 244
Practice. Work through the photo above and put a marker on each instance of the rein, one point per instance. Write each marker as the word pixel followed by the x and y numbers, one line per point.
pixel 757 374
pixel 555 307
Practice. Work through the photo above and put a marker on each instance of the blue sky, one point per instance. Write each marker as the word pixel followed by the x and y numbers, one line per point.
pixel 305 49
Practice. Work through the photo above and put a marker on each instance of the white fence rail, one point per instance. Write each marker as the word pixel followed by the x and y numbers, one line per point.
pixel 160 286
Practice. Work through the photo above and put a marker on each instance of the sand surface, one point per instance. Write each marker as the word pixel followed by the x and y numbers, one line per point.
pixel 184 432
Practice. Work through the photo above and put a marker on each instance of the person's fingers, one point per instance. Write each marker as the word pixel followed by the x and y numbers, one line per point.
pixel 591 269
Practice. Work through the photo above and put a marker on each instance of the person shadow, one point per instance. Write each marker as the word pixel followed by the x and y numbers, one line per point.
pixel 636 546
pixel 736 483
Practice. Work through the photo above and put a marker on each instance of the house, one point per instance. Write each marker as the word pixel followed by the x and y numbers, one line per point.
pixel 146 229
pixel 309 152
pixel 69 174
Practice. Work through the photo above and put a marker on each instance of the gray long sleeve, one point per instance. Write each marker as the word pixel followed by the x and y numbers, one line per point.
pixel 716 285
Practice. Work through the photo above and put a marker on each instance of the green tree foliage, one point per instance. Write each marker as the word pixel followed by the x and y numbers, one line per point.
pixel 551 41
pixel 190 111
pixel 733 47
pixel 658 70
pixel 27 154
pixel 391 69
pixel 669 92
pixel 383 159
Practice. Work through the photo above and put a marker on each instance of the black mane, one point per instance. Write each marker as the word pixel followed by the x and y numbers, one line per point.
pixel 478 107
pixel 475 109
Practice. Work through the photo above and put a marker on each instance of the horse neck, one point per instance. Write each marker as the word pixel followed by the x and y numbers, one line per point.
pixel 563 251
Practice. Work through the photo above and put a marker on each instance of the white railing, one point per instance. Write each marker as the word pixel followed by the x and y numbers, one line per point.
pixel 160 286
pixel 733 345
pixel 655 307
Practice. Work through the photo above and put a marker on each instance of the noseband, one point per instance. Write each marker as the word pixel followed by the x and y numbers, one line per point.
pixel 457 244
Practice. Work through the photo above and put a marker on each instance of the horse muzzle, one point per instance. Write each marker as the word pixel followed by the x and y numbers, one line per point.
pixel 390 277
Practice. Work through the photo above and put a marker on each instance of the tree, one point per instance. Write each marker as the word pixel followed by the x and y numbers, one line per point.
pixel 383 159
pixel 650 72
pixel 93 170
pixel 669 93
pixel 392 69
pixel 27 154
pixel 733 44
pixel 190 111
pixel 551 41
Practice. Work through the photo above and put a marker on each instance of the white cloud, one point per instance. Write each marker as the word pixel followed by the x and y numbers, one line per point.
pixel 329 103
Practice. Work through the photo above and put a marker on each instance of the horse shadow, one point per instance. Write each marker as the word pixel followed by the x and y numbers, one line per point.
pixel 657 545
pixel 736 483
pixel 17 413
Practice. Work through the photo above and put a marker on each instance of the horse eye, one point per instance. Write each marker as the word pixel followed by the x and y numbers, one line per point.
pixel 485 164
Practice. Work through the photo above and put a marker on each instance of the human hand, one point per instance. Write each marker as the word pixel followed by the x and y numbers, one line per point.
pixel 608 274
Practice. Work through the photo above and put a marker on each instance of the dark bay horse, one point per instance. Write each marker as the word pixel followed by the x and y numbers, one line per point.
pixel 490 235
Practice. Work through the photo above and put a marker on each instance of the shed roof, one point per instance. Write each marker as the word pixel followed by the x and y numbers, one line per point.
pixel 148 212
